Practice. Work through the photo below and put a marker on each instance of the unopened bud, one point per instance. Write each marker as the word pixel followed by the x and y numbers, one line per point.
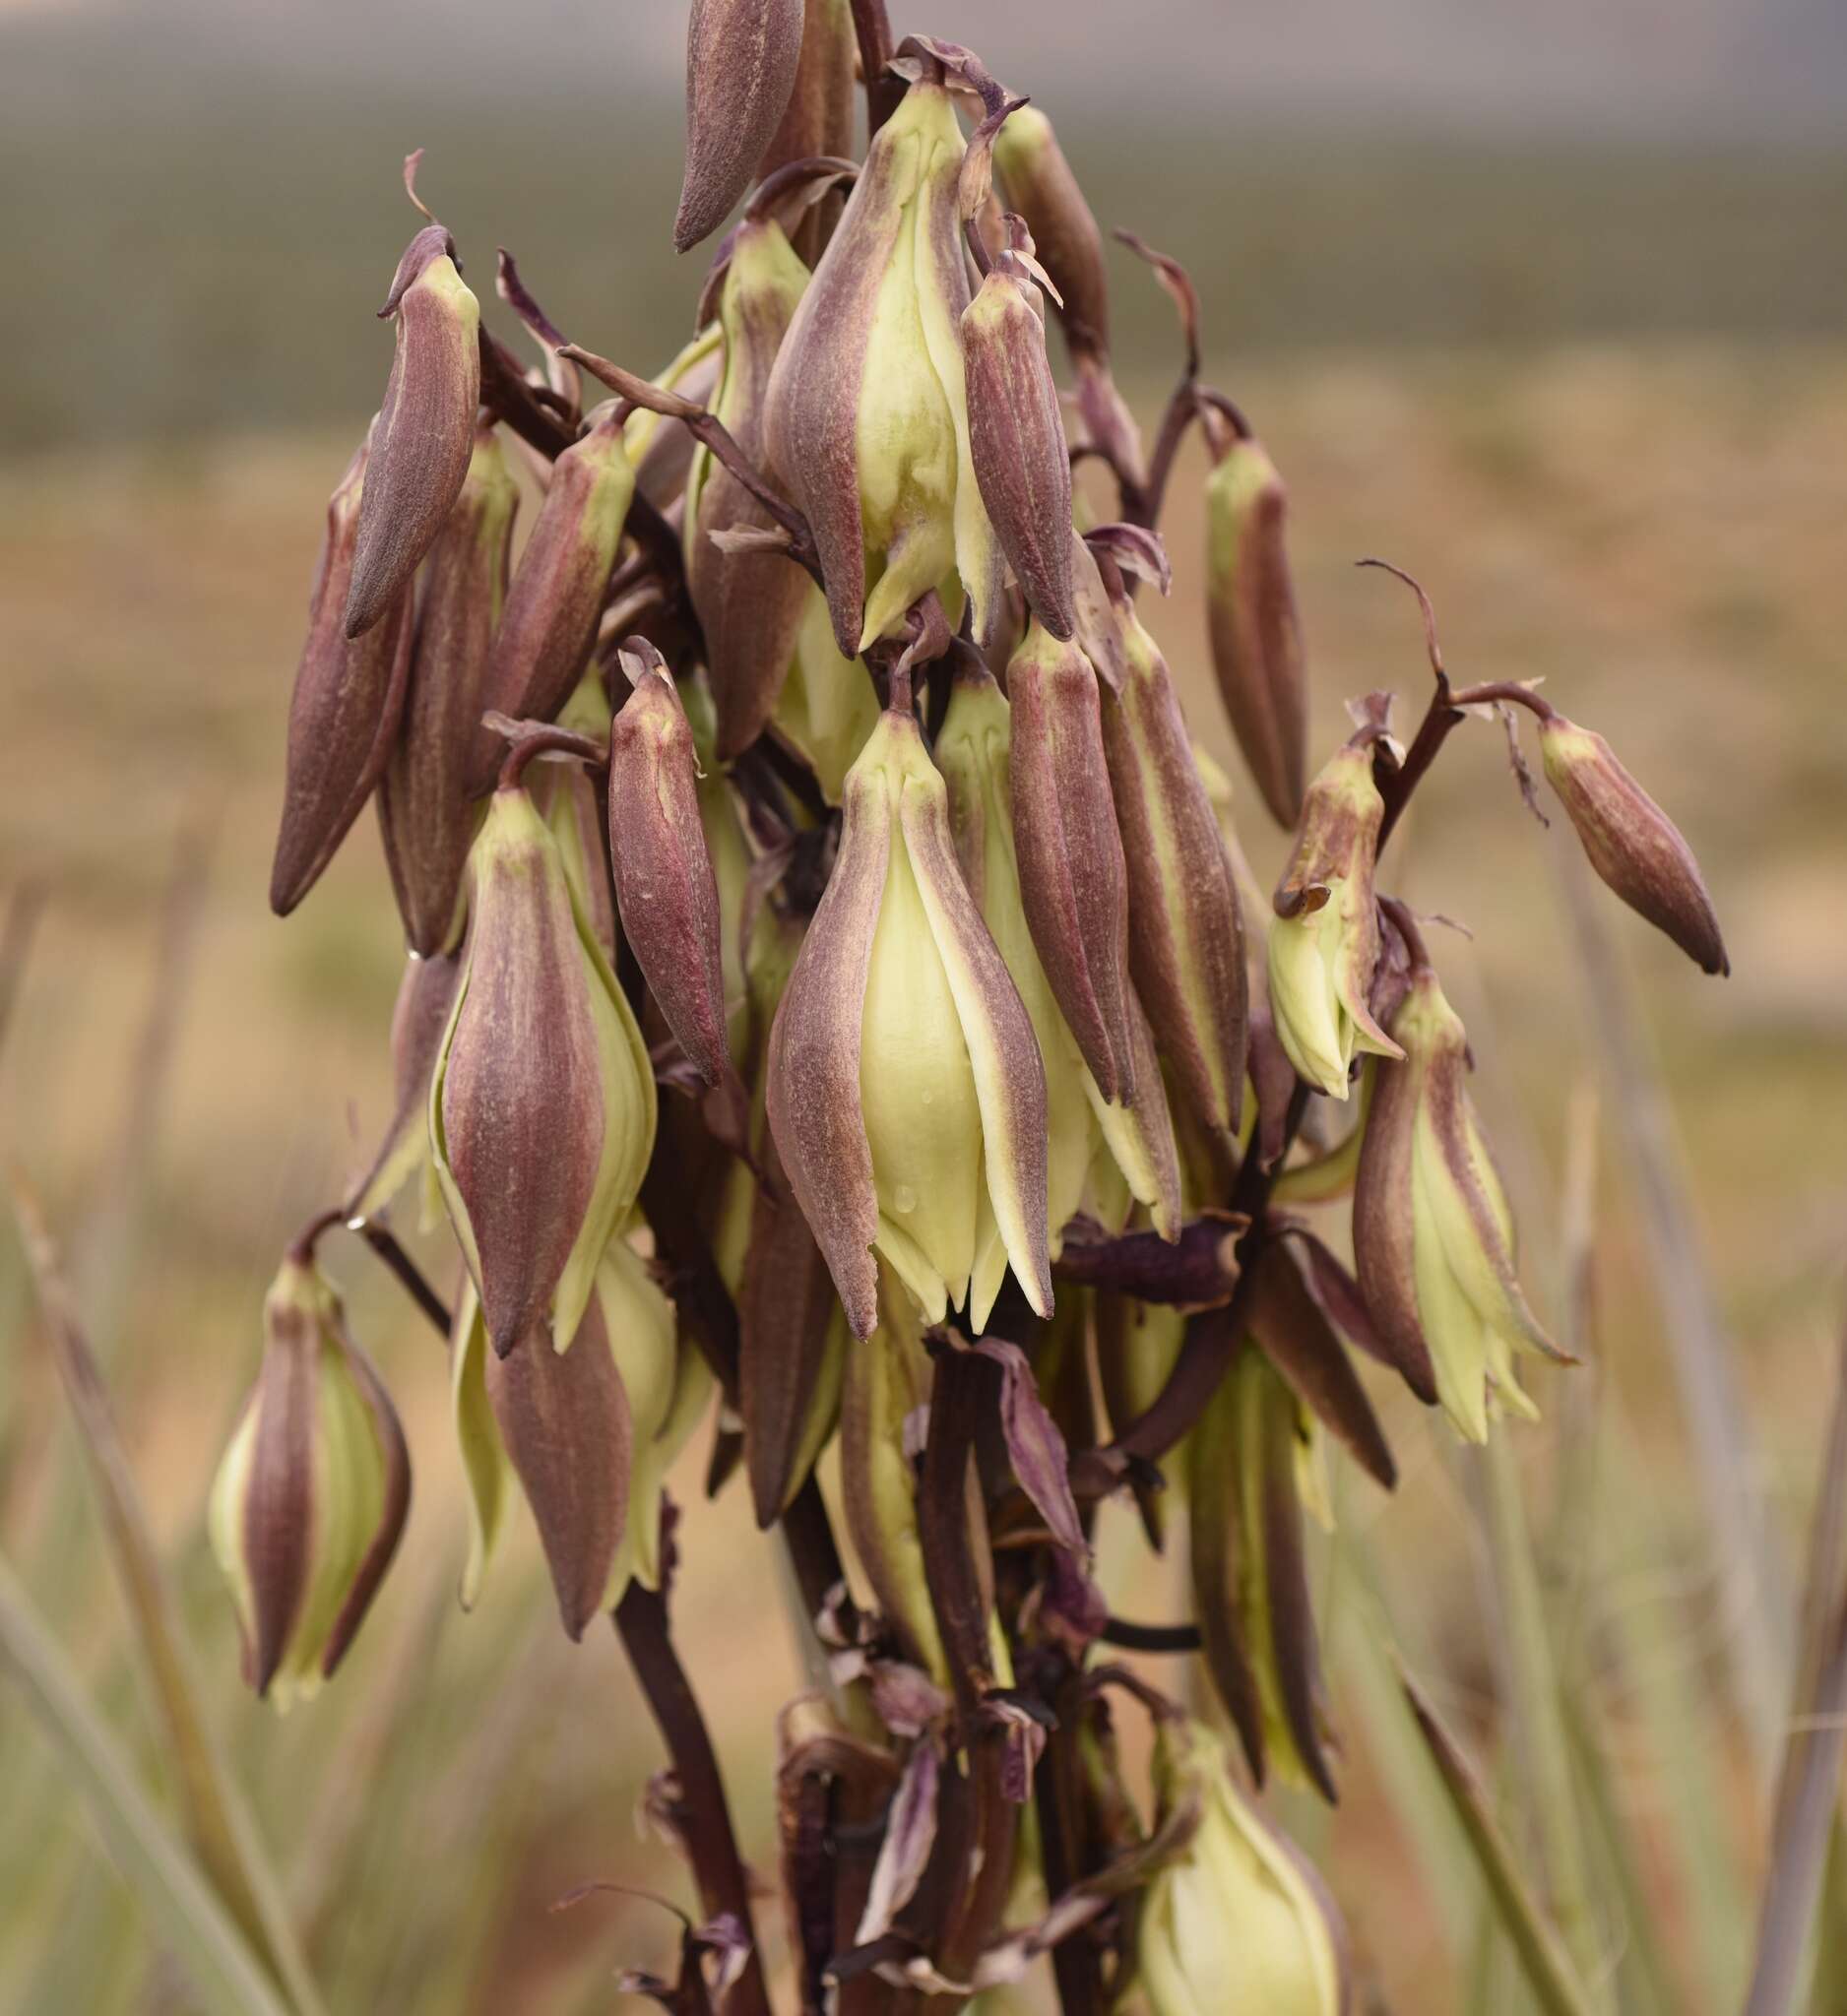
pixel 557 591
pixel 345 707
pixel 426 1000
pixel 1434 1237
pixel 1630 841
pixel 1324 938
pixel 904 1085
pixel 1073 877
pixel 1186 934
pixel 543 1106
pixel 1257 638
pixel 425 428
pixel 1016 440
pixel 577 814
pixel 664 887
pixel 740 66
pixel 1041 188
pixel 867 418
pixel 311 1494
pixel 424 812
pixel 819 118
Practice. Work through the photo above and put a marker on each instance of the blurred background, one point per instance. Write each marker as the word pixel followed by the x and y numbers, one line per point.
pixel 1546 303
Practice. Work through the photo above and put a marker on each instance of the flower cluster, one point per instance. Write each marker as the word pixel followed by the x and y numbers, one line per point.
pixel 837 1003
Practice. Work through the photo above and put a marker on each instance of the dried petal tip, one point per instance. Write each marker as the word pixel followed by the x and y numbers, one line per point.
pixel 311 1494
pixel 664 887
pixel 1016 440
pixel 425 428
pixel 740 68
pixel 1256 639
pixel 1630 841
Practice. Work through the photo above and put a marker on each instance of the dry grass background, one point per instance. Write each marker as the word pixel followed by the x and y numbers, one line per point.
pixel 1656 529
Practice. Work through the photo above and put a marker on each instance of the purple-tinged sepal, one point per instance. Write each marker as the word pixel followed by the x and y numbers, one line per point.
pixel 542 1107
pixel 1630 841
pixel 419 1022
pixel 425 428
pixel 345 710
pixel 310 1497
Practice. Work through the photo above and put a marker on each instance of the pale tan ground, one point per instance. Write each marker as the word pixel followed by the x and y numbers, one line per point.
pixel 1656 532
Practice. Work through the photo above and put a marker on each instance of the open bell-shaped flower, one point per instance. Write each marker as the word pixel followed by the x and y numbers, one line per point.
pixel 1237 1919
pixel 1324 938
pixel 588 1435
pixel 542 1107
pixel 311 1494
pixel 867 418
pixel 1434 1237
pixel 904 1089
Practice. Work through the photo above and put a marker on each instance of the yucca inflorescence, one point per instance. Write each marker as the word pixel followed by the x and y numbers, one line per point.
pixel 830 991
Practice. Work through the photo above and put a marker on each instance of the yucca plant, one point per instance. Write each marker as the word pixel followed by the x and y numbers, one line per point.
pixel 838 1007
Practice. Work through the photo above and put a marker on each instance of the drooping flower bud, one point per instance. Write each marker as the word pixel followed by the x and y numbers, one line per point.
pixel 425 428
pixel 1186 934
pixel 345 710
pixel 1630 841
pixel 590 1433
pixel 541 1108
pixel 750 605
pixel 664 887
pixel 974 752
pixel 1041 188
pixel 1256 639
pixel 424 812
pixel 557 596
pixel 867 416
pixel 419 1022
pixel 1238 1919
pixel 740 66
pixel 1433 1234
pixel 660 449
pixel 1016 437
pixel 1324 938
pixel 1072 874
pixel 904 1085
pixel 311 1494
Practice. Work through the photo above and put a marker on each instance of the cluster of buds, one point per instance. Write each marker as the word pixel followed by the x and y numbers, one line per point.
pixel 832 1010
